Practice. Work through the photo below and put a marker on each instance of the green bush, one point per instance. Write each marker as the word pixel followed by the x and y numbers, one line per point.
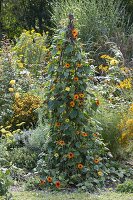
pixel 109 118
pixel 3 155
pixel 23 158
pixel 126 187
pixel 5 181
pixel 32 183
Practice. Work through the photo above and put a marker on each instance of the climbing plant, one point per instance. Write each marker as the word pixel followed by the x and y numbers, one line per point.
pixel 75 155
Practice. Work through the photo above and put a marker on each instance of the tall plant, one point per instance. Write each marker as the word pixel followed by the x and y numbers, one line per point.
pixel 74 155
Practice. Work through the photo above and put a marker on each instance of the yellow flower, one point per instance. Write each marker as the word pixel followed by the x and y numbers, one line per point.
pixel 125 84
pixel 12 82
pixel 114 62
pixel 9 134
pixel 67 120
pixel 11 89
pixel 21 65
pixel 32 31
pixel 103 68
pixel 8 126
pixel 131 107
pixel 20 124
pixel 106 57
pixel 124 135
pixel 129 123
pixel 67 89
pixel 81 95
pixel 100 173
pixel 56 155
pixel 3 130
pixel 17 95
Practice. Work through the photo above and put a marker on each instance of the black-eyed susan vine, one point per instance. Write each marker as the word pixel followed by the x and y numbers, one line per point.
pixel 74 155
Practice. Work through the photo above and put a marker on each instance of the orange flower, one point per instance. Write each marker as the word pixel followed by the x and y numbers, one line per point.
pixel 81 95
pixel 76 78
pixel 74 33
pixel 80 166
pixel 72 103
pixel 71 155
pixel 57 184
pixel 42 182
pixel 95 134
pixel 96 160
pixel 84 134
pixel 79 64
pixel 49 179
pixel 58 124
pixel 76 96
pixel 61 142
pixel 67 65
pixel 97 102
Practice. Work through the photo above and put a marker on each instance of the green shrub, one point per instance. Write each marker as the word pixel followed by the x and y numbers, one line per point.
pixel 109 118
pixel 5 181
pixel 32 183
pixel 23 158
pixel 126 187
pixel 3 155
pixel 38 137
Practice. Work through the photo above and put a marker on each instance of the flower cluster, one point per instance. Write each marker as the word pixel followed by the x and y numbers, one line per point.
pixel 125 84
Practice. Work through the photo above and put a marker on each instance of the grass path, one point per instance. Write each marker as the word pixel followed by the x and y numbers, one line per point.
pixel 72 196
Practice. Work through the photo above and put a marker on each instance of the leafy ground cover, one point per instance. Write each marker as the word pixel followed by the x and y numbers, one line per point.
pixel 76 196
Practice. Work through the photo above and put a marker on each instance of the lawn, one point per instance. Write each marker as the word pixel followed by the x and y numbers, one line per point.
pixel 72 196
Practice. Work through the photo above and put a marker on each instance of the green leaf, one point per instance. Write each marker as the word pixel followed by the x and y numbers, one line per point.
pixel 73 114
pixel 61 109
pixel 54 51
pixel 69 49
pixel 66 74
pixel 51 69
